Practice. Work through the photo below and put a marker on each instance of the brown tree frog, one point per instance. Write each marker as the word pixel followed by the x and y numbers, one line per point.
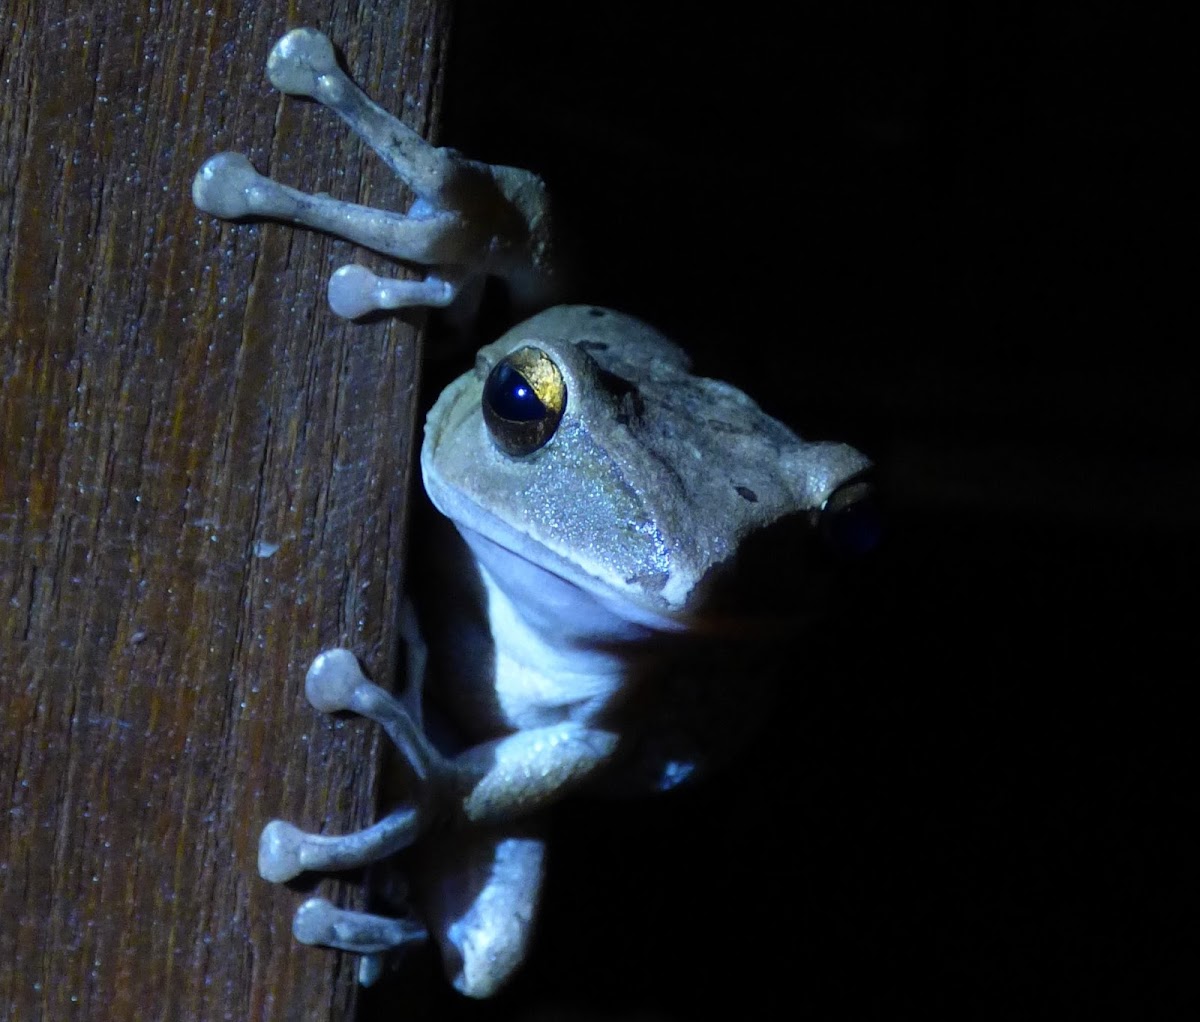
pixel 604 499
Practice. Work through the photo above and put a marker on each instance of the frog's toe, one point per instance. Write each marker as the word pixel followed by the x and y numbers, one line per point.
pixel 285 851
pixel 279 852
pixel 320 922
pixel 335 682
pixel 332 680
pixel 355 291
pixel 300 61
pixel 227 185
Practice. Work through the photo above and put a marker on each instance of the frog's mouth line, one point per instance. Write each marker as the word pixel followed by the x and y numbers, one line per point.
pixel 544 577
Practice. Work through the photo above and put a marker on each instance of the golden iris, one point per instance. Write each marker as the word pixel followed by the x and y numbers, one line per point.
pixel 523 401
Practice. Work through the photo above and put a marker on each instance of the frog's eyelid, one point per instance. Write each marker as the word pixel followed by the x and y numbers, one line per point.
pixel 483 365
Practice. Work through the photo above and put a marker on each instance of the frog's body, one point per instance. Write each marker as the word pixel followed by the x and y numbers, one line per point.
pixel 606 497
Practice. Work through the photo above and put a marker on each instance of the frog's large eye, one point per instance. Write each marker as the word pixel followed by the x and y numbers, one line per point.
pixel 851 521
pixel 523 401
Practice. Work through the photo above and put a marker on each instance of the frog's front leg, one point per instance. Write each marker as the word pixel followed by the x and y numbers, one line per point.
pixel 490 783
pixel 470 219
pixel 479 873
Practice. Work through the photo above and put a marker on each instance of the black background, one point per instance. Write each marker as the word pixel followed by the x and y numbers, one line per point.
pixel 955 236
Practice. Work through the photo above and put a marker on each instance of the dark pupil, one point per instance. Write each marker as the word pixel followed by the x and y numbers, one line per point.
pixel 511 397
pixel 857 528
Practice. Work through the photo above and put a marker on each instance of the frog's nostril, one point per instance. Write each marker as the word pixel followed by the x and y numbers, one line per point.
pixel 851 520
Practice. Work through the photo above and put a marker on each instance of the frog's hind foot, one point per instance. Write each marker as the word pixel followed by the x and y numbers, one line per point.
pixel 469 218
pixel 228 186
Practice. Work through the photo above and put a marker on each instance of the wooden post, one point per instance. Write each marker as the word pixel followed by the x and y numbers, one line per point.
pixel 203 479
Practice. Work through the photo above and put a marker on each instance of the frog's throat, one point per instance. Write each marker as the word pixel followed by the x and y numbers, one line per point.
pixel 544 581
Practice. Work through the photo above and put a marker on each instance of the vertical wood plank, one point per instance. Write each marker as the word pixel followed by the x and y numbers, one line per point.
pixel 202 483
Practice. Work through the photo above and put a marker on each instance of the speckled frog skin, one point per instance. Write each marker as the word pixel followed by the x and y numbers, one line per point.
pixel 604 496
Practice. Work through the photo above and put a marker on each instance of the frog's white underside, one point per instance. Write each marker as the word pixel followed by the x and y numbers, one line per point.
pixel 566 651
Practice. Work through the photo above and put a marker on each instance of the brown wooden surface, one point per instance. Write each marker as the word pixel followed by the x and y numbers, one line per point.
pixel 202 483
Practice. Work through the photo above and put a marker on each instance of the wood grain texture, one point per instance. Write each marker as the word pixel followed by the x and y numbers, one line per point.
pixel 202 483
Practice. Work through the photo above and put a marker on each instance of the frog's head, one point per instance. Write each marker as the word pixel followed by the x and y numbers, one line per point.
pixel 582 444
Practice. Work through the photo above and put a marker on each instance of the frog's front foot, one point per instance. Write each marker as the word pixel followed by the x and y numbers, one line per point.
pixel 480 885
pixel 469 219
pixel 335 682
